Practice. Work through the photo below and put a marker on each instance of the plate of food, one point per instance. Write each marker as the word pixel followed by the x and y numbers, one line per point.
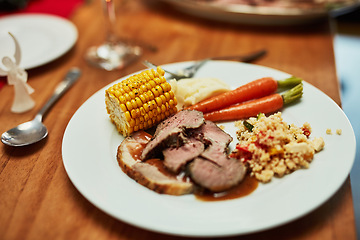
pixel 106 161
pixel 263 12
pixel 42 37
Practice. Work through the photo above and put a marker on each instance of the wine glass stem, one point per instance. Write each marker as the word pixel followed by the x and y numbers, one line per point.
pixel 110 18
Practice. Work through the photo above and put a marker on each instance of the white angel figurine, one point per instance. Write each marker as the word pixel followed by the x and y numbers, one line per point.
pixel 18 77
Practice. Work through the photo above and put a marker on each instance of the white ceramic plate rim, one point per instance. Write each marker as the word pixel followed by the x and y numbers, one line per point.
pixel 89 155
pixel 42 37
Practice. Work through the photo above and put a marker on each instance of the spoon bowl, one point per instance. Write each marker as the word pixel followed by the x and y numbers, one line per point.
pixel 33 131
pixel 25 133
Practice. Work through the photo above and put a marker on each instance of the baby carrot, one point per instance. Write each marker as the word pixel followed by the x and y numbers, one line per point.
pixel 252 90
pixel 267 104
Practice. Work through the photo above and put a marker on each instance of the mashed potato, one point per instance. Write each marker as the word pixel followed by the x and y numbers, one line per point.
pixel 271 147
pixel 193 90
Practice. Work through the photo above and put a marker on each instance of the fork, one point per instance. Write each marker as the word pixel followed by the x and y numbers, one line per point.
pixel 191 70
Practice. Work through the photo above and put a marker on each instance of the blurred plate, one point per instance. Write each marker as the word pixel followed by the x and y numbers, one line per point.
pixel 259 15
pixel 90 145
pixel 42 37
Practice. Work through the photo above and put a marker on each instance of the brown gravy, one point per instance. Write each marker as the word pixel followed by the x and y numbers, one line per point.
pixel 247 186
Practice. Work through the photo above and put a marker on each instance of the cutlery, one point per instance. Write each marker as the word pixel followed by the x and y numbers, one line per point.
pixel 191 70
pixel 33 131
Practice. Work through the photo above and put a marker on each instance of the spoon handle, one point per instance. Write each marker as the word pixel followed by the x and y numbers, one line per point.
pixel 61 88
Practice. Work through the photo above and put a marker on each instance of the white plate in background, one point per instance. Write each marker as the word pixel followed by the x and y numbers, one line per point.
pixel 42 37
pixel 257 15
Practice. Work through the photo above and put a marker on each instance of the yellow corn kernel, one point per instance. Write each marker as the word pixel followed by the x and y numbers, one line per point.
pixel 133 103
pixel 146 107
pixel 122 99
pixel 122 91
pixel 151 115
pixel 160 71
pixel 148 86
pixel 158 110
pixel 159 101
pixel 159 89
pixel 132 122
pixel 143 98
pixel 150 95
pixel 163 98
pixel 129 105
pixel 154 73
pixel 163 108
pixel 127 116
pixel 135 113
pixel 127 97
pixel 152 83
pixel 155 93
pixel 137 121
pixel 152 104
pixel 117 94
pixel 126 89
pixel 166 86
pixel 146 117
pixel 162 79
pixel 157 81
pixel 123 107
pixel 143 88
pixel 140 101
pixel 167 96
pixel 132 95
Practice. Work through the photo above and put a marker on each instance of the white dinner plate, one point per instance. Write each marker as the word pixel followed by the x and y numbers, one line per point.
pixel 89 154
pixel 258 15
pixel 42 37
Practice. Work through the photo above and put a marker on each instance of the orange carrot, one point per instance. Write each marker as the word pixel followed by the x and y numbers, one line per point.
pixel 267 104
pixel 252 90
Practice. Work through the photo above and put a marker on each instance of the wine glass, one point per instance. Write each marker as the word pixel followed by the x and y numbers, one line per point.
pixel 112 54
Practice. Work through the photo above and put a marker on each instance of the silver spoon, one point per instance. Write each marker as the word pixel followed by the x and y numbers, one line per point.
pixel 33 131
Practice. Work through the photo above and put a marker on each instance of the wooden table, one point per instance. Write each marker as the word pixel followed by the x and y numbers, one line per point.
pixel 37 199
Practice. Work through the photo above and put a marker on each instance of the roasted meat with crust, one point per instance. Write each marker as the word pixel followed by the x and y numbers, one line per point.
pixel 190 153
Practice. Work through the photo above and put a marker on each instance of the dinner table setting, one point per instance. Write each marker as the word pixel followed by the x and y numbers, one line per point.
pixel 59 174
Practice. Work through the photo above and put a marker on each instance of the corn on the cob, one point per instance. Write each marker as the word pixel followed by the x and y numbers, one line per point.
pixel 140 101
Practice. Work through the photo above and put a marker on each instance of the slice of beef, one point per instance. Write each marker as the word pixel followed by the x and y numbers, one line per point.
pixel 177 157
pixel 213 133
pixel 149 175
pixel 217 176
pixel 214 170
pixel 170 132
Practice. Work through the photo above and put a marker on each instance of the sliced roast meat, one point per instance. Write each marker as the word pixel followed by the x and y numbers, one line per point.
pixel 176 158
pixel 218 141
pixel 217 176
pixel 213 133
pixel 186 143
pixel 214 170
pixel 149 175
pixel 170 132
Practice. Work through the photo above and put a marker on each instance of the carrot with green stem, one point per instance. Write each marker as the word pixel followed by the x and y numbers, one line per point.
pixel 267 104
pixel 252 90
